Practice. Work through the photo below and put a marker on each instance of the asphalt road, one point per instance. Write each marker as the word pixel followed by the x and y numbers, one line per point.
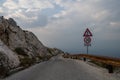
pixel 59 68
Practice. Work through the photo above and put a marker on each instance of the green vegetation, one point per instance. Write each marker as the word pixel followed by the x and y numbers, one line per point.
pixel 26 61
pixel 39 57
pixel 50 50
pixel 20 51
pixel 99 64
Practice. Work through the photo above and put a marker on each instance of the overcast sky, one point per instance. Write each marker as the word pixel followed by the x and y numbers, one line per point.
pixel 61 23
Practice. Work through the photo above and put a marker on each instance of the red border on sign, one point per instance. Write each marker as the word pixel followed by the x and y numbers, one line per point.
pixel 87 33
pixel 85 40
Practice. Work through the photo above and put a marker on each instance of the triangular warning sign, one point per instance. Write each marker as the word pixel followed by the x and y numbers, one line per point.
pixel 87 33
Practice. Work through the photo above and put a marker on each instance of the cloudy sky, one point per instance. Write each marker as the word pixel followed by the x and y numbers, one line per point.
pixel 61 23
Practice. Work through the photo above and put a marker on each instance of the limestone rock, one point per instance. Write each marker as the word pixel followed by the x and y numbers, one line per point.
pixel 55 51
pixel 19 47
pixel 8 59
pixel 14 37
pixel 13 60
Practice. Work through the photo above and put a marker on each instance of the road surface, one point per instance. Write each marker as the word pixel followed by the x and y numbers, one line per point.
pixel 58 68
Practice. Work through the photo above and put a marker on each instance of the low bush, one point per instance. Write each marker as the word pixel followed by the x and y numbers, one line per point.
pixel 50 50
pixel 99 64
pixel 26 61
pixel 20 51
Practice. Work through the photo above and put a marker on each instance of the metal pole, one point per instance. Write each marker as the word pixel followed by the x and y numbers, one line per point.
pixel 87 49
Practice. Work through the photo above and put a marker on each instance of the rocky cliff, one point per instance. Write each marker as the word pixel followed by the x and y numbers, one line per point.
pixel 19 47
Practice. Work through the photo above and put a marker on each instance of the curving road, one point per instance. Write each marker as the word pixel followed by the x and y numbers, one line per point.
pixel 59 68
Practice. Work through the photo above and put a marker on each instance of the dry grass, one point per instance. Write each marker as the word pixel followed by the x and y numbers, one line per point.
pixel 101 59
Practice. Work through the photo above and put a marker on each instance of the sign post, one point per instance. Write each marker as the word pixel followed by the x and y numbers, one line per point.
pixel 87 38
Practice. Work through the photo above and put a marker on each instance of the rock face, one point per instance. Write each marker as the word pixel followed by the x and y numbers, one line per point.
pixel 19 47
pixel 8 59
pixel 14 37
pixel 13 60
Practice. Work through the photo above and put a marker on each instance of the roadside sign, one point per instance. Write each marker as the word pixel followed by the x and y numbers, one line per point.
pixel 87 38
pixel 87 44
pixel 87 33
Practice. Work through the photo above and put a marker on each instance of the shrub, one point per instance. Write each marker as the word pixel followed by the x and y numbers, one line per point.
pixel 26 61
pixel 99 64
pixel 20 51
pixel 50 51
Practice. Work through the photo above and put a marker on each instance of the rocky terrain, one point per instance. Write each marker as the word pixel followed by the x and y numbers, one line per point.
pixel 20 48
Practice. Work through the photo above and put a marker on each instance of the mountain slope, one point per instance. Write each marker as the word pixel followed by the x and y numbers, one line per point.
pixel 19 47
pixel 14 37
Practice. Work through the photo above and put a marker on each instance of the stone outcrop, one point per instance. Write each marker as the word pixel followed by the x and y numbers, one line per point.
pixel 19 47
pixel 54 51
pixel 8 59
pixel 14 37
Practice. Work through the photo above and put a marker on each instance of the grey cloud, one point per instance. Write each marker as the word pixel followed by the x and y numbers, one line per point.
pixel 66 32
pixel 41 21
pixel 104 41
pixel 112 6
